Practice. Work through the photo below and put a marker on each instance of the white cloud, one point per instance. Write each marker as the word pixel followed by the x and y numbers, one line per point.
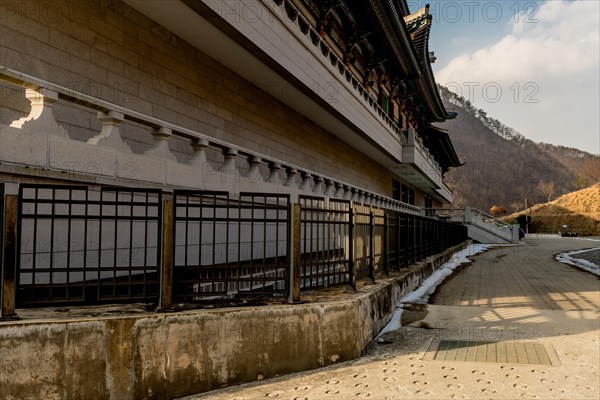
pixel 564 41
pixel 563 46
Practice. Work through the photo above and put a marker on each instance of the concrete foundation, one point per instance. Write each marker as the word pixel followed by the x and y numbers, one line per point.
pixel 158 356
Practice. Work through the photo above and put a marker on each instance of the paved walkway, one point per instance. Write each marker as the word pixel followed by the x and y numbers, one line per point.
pixel 524 276
pixel 539 319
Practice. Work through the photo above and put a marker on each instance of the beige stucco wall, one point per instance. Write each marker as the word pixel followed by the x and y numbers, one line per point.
pixel 108 50
pixel 419 198
pixel 437 204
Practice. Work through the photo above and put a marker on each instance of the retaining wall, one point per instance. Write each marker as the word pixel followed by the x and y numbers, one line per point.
pixel 158 356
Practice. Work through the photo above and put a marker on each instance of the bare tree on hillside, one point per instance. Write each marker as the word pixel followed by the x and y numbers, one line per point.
pixel 589 174
pixel 516 206
pixel 547 189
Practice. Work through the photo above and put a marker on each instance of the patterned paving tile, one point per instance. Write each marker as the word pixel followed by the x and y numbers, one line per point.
pixel 497 352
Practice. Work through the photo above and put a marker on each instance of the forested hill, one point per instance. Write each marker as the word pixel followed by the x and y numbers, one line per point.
pixel 503 167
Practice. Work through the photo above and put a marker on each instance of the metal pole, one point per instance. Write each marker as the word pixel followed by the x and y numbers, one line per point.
pixel 526 218
pixel 371 277
pixel 398 243
pixel 384 272
pixel 295 267
pixel 165 302
pixel 10 255
pixel 350 286
pixel 414 240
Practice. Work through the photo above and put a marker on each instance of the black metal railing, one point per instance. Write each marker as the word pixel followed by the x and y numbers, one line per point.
pixel 324 248
pixel 225 247
pixel 78 245
pixel 380 231
pixel 363 242
pixel 418 241
pixel 1 226
pixel 392 251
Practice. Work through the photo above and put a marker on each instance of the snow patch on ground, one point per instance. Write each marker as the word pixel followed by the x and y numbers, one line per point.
pixel 422 293
pixel 395 323
pixel 588 266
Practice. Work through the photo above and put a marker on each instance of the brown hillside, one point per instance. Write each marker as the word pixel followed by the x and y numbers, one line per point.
pixel 579 210
pixel 502 166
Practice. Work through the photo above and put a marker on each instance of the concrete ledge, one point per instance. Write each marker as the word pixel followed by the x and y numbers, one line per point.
pixel 156 356
pixel 22 147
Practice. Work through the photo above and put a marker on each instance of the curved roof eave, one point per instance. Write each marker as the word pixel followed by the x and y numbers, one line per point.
pixel 450 157
pixel 402 5
pixel 397 33
pixel 426 84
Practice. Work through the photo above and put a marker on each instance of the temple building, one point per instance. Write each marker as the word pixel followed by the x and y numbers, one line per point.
pixel 201 193
pixel 338 92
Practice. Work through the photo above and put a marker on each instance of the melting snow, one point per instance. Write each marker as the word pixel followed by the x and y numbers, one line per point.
pixel 579 263
pixel 422 293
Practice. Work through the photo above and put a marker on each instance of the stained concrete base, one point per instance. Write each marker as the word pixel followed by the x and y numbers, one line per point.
pixel 509 295
pixel 402 366
pixel 91 353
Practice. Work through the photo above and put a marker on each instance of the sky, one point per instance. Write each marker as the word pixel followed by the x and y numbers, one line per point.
pixel 533 65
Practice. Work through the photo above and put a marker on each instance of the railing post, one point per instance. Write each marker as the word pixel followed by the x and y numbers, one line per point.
pixel 432 239
pixel 398 243
pixel 385 245
pixel 329 188
pixel 407 241
pixel 291 174
pixel 110 135
pixel 350 285
pixel 274 177
pixel 414 239
pixel 515 234
pixel 347 193
pixel 198 159
pixel 8 284
pixel 319 187
pixel 435 226
pixel 339 190
pixel 435 229
pixel 424 234
pixel 294 251
pixel 467 215
pixel 425 239
pixel 160 148
pixel 41 117
pixel 423 230
pixel 418 238
pixel 165 301
pixel 371 277
pixel 253 174
pixel 442 236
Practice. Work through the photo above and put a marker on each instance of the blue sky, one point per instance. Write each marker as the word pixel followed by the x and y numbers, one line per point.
pixel 534 65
